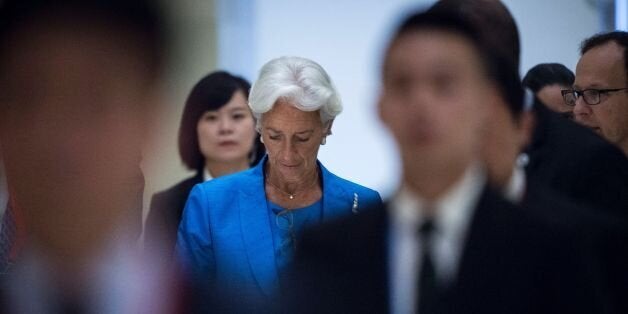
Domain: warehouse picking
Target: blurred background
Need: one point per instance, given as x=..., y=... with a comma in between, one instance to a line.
x=346, y=37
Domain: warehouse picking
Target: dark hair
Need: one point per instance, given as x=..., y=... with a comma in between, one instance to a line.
x=500, y=67
x=619, y=37
x=494, y=22
x=546, y=74
x=211, y=93
x=140, y=21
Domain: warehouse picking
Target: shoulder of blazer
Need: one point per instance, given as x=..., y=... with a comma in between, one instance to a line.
x=332, y=182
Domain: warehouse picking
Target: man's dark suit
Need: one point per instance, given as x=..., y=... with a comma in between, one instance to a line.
x=605, y=240
x=577, y=163
x=163, y=219
x=512, y=262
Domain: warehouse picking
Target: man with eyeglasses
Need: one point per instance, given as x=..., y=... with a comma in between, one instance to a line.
x=600, y=92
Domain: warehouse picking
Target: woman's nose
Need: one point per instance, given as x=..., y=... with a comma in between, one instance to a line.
x=288, y=152
x=225, y=126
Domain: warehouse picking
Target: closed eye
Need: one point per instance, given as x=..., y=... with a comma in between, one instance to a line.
x=210, y=117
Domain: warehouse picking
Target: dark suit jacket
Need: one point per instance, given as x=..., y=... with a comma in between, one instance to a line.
x=512, y=262
x=605, y=240
x=166, y=208
x=577, y=163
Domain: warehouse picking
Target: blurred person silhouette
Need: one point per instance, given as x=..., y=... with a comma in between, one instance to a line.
x=78, y=79
x=6, y=221
x=240, y=231
x=9, y=228
x=560, y=155
x=567, y=158
x=602, y=237
x=547, y=80
x=602, y=81
x=446, y=242
x=553, y=178
x=216, y=137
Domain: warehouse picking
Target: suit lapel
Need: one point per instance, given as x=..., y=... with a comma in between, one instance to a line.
x=336, y=201
x=256, y=231
x=255, y=228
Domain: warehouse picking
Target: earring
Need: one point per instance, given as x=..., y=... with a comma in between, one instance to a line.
x=324, y=140
x=261, y=139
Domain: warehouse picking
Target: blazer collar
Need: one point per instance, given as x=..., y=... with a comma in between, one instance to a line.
x=256, y=231
x=255, y=225
x=337, y=202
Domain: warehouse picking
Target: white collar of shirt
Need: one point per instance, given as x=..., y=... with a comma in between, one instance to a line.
x=452, y=218
x=206, y=175
x=515, y=190
x=120, y=281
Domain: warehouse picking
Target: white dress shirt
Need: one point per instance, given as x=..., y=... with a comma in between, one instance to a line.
x=118, y=280
x=452, y=216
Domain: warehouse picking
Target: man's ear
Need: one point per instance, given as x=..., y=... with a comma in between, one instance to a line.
x=526, y=124
x=381, y=112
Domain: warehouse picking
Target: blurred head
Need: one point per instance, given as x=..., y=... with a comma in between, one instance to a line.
x=438, y=82
x=506, y=137
x=295, y=103
x=509, y=126
x=603, y=66
x=546, y=80
x=217, y=124
x=493, y=20
x=77, y=80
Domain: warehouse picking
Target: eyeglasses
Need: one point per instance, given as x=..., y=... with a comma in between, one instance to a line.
x=590, y=96
x=285, y=223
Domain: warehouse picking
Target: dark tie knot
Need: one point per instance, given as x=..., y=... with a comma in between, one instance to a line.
x=426, y=229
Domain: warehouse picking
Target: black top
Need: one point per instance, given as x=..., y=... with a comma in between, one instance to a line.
x=576, y=162
x=512, y=262
x=166, y=208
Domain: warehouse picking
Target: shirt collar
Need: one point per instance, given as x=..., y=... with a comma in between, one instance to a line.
x=454, y=208
x=206, y=175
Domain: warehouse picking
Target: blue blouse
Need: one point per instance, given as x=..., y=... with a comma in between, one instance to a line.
x=287, y=224
x=225, y=236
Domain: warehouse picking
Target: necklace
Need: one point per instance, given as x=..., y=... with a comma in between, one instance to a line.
x=292, y=195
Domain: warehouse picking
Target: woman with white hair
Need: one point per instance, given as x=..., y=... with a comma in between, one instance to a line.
x=240, y=231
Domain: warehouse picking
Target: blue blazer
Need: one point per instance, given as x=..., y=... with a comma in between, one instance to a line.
x=225, y=235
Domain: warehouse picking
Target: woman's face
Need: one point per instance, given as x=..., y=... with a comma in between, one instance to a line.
x=227, y=134
x=292, y=138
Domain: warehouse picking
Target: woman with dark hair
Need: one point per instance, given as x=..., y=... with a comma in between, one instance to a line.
x=217, y=137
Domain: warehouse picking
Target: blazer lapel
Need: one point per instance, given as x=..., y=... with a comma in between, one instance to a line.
x=336, y=200
x=256, y=231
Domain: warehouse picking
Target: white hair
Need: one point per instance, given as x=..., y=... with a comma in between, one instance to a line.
x=303, y=82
